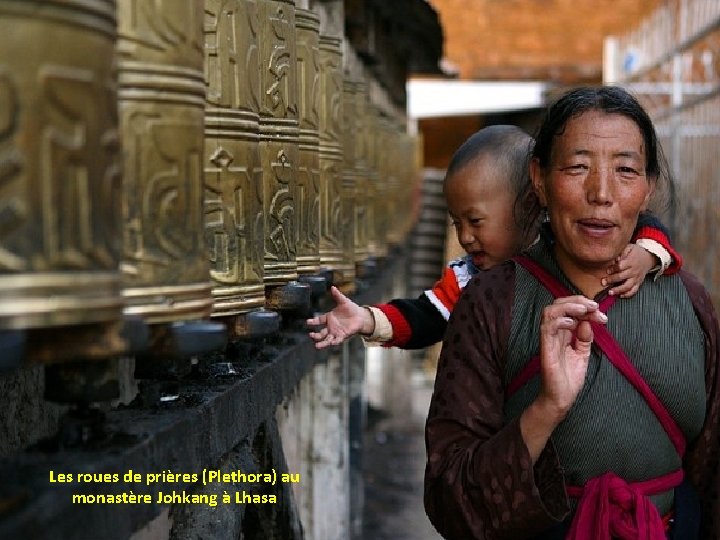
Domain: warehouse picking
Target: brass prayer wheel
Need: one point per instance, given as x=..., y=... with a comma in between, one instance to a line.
x=356, y=161
x=389, y=159
x=162, y=103
x=279, y=134
x=307, y=194
x=367, y=151
x=413, y=173
x=394, y=158
x=349, y=180
x=377, y=136
x=331, y=159
x=59, y=169
x=233, y=203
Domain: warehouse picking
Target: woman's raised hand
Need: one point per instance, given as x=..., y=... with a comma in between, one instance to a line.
x=343, y=322
x=565, y=341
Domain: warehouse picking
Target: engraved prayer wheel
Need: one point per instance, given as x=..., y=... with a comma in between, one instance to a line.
x=349, y=179
x=279, y=137
x=413, y=173
x=367, y=151
x=307, y=194
x=389, y=159
x=403, y=175
x=162, y=104
x=377, y=135
x=406, y=180
x=331, y=159
x=233, y=204
x=59, y=172
x=363, y=192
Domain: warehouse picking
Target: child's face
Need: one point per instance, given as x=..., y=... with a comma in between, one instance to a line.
x=481, y=208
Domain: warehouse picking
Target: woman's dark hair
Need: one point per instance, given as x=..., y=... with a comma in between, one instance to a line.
x=610, y=100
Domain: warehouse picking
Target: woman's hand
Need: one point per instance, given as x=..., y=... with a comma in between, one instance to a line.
x=343, y=322
x=565, y=341
x=629, y=270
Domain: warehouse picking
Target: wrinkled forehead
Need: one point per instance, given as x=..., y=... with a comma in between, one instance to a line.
x=596, y=132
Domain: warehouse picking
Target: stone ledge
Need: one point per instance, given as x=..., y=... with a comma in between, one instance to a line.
x=183, y=440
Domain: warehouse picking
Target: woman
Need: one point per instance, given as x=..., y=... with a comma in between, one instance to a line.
x=559, y=411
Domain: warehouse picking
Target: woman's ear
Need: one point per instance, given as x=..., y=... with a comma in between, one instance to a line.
x=538, y=182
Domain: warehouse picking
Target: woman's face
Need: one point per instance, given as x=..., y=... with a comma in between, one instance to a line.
x=594, y=188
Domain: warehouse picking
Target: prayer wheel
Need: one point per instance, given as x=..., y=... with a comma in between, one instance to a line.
x=378, y=139
x=233, y=203
x=307, y=194
x=279, y=137
x=350, y=179
x=412, y=174
x=331, y=158
x=367, y=150
x=162, y=104
x=360, y=167
x=402, y=175
x=60, y=176
x=388, y=159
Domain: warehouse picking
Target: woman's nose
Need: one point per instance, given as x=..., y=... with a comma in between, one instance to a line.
x=598, y=185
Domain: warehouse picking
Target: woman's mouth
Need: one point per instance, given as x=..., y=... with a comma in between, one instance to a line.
x=596, y=227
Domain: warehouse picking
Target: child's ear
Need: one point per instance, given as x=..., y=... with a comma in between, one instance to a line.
x=537, y=179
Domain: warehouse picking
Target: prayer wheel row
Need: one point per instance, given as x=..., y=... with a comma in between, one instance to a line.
x=175, y=161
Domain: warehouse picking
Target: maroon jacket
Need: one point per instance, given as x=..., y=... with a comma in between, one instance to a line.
x=479, y=480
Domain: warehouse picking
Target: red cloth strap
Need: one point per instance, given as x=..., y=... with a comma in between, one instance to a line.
x=606, y=342
x=611, y=508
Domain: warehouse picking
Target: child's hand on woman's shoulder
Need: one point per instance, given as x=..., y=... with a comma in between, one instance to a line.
x=629, y=271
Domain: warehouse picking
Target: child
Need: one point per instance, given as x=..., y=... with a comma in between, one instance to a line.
x=485, y=183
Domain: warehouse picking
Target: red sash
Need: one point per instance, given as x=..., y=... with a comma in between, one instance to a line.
x=610, y=507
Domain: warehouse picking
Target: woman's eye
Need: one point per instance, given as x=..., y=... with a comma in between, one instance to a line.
x=627, y=170
x=577, y=168
x=475, y=222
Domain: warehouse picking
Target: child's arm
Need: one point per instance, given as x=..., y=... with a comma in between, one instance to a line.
x=408, y=324
x=421, y=322
x=405, y=323
x=652, y=235
x=652, y=252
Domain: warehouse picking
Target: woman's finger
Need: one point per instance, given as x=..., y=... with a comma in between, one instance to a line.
x=569, y=309
x=575, y=299
x=583, y=336
x=579, y=311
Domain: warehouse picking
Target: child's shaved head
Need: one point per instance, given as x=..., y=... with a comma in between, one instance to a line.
x=508, y=149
